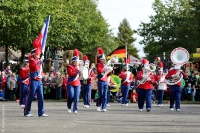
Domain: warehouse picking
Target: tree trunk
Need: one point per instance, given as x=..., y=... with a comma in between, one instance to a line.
x=22, y=56
x=6, y=56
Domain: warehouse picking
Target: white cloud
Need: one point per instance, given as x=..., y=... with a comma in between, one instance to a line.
x=135, y=11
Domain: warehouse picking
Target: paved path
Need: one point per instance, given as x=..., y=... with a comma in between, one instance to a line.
x=118, y=119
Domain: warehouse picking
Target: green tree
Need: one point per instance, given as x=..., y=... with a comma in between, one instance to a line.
x=172, y=26
x=74, y=24
x=125, y=37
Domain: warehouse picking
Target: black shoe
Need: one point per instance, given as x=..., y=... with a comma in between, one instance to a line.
x=148, y=110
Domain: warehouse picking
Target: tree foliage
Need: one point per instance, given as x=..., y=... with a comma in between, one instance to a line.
x=173, y=25
x=125, y=37
x=74, y=24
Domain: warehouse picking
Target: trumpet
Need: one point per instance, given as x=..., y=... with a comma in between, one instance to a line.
x=108, y=68
x=152, y=68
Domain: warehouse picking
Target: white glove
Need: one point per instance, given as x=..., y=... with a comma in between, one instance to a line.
x=145, y=76
x=105, y=69
x=42, y=58
x=148, y=79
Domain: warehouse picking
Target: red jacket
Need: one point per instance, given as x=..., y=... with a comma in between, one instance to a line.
x=148, y=84
x=73, y=73
x=100, y=71
x=123, y=75
x=91, y=76
x=173, y=72
x=34, y=65
x=3, y=80
x=133, y=94
x=64, y=87
x=24, y=75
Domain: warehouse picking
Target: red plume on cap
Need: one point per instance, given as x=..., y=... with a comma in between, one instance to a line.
x=160, y=65
x=101, y=53
x=85, y=58
x=76, y=52
x=158, y=58
x=100, y=50
x=145, y=61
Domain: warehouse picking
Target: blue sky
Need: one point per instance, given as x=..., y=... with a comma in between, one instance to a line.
x=135, y=11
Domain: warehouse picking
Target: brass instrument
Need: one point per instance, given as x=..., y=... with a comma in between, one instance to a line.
x=108, y=68
x=179, y=56
x=152, y=68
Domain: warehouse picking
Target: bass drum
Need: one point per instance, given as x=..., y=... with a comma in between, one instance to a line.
x=85, y=73
x=162, y=86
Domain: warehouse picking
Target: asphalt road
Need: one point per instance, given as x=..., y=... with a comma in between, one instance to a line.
x=118, y=119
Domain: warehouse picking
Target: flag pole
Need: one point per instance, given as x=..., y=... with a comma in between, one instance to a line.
x=126, y=52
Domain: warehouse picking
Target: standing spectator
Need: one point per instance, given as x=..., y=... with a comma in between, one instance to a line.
x=58, y=85
x=193, y=92
x=183, y=96
x=197, y=83
x=198, y=91
x=52, y=86
x=12, y=86
x=64, y=86
x=3, y=80
x=192, y=79
x=189, y=92
x=46, y=88
x=7, y=70
x=1, y=95
x=52, y=71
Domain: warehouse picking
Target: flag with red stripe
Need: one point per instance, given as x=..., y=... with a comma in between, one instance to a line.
x=120, y=52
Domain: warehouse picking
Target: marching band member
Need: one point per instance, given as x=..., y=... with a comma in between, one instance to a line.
x=24, y=82
x=102, y=76
x=86, y=82
x=145, y=87
x=159, y=62
x=36, y=86
x=160, y=79
x=127, y=78
x=73, y=83
x=175, y=90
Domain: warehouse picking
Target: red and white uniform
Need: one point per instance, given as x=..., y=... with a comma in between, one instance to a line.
x=126, y=76
x=91, y=76
x=174, y=72
x=100, y=70
x=158, y=78
x=24, y=75
x=35, y=68
x=73, y=73
x=148, y=84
